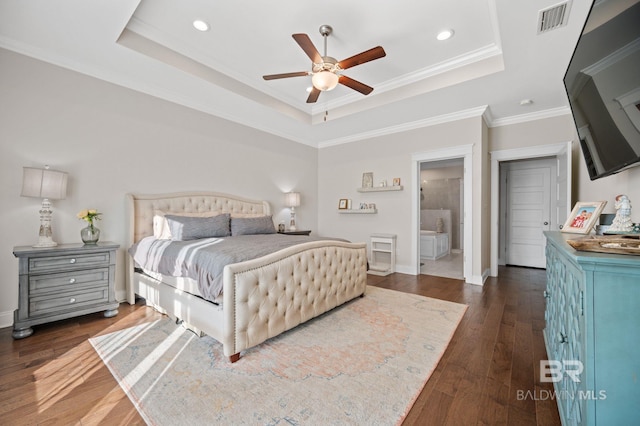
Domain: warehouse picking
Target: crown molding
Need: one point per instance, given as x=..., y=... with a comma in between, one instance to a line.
x=427, y=122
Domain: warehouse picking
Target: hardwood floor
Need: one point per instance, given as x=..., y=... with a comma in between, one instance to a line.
x=55, y=376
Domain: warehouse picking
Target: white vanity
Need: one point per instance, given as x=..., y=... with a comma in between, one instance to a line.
x=434, y=245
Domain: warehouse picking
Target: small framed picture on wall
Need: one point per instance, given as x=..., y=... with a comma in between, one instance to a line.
x=396, y=181
x=367, y=180
x=343, y=204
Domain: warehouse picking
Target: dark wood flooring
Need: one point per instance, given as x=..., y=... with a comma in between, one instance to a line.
x=55, y=377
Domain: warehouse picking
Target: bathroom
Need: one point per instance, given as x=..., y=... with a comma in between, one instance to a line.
x=441, y=218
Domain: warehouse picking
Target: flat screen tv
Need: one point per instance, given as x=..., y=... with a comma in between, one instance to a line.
x=603, y=87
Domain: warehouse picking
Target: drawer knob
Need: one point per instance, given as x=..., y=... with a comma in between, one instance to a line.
x=546, y=294
x=72, y=260
x=72, y=280
x=72, y=300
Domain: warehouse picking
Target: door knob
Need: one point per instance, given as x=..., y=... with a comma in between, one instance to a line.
x=546, y=223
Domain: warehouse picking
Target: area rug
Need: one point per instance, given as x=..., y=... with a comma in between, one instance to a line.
x=362, y=363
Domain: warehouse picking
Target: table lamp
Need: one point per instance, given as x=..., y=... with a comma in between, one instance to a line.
x=292, y=200
x=48, y=185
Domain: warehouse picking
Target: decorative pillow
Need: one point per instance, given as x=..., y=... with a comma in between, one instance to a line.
x=161, y=229
x=185, y=228
x=252, y=225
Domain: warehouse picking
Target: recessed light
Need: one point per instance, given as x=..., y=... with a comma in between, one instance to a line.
x=444, y=35
x=200, y=25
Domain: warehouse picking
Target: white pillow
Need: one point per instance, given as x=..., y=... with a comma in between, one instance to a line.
x=161, y=230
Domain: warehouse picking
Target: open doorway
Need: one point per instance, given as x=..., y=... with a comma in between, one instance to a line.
x=441, y=247
x=464, y=152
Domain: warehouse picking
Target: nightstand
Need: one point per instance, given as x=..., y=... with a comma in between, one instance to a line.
x=65, y=281
x=295, y=232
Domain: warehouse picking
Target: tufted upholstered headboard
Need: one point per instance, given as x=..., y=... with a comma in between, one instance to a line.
x=141, y=208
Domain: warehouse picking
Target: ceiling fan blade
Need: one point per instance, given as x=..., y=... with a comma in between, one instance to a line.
x=355, y=85
x=305, y=42
x=286, y=75
x=313, y=96
x=366, y=56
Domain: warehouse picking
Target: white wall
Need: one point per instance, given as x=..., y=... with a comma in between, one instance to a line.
x=340, y=174
x=559, y=130
x=605, y=189
x=111, y=141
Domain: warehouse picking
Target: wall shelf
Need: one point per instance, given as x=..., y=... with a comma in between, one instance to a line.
x=358, y=211
x=382, y=188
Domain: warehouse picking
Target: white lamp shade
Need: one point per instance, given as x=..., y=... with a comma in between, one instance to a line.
x=324, y=80
x=44, y=183
x=292, y=199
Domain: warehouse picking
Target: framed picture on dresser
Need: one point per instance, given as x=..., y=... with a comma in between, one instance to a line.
x=583, y=217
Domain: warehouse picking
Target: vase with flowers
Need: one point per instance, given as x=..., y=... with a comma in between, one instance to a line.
x=90, y=234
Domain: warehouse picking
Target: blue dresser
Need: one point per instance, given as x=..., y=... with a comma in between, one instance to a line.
x=592, y=333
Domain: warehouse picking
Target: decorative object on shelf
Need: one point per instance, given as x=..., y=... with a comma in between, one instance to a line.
x=622, y=220
x=343, y=204
x=583, y=217
x=91, y=234
x=439, y=225
x=383, y=183
x=367, y=180
x=49, y=185
x=292, y=200
x=396, y=181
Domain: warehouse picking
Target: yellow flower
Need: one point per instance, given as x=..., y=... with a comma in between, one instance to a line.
x=89, y=215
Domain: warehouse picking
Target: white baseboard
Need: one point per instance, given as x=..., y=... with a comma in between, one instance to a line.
x=404, y=269
x=6, y=319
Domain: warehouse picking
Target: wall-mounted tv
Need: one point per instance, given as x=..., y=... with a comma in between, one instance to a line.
x=603, y=86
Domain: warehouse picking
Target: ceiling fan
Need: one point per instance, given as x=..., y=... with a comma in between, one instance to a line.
x=325, y=70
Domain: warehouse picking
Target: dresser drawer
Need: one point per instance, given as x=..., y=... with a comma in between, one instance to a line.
x=51, y=304
x=68, y=281
x=66, y=262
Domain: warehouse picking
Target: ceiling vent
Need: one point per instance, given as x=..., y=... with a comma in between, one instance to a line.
x=553, y=17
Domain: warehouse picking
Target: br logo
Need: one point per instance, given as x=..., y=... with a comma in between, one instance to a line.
x=554, y=370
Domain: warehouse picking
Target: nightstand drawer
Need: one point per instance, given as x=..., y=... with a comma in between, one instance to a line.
x=68, y=281
x=56, y=263
x=45, y=305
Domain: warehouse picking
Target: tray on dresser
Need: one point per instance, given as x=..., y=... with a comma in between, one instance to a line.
x=619, y=244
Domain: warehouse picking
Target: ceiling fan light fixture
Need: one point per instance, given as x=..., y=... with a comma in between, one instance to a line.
x=324, y=81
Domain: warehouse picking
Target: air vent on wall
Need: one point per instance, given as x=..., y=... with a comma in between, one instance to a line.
x=553, y=17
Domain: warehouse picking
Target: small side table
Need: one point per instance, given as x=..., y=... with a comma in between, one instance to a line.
x=383, y=254
x=65, y=281
x=295, y=232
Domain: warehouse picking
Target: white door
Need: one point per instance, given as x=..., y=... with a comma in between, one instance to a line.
x=529, y=210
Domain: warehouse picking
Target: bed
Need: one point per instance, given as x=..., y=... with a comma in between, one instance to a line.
x=262, y=297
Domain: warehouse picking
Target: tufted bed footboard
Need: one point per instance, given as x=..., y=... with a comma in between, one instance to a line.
x=261, y=298
x=267, y=296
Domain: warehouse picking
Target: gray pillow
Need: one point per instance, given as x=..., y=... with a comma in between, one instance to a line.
x=252, y=225
x=185, y=228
